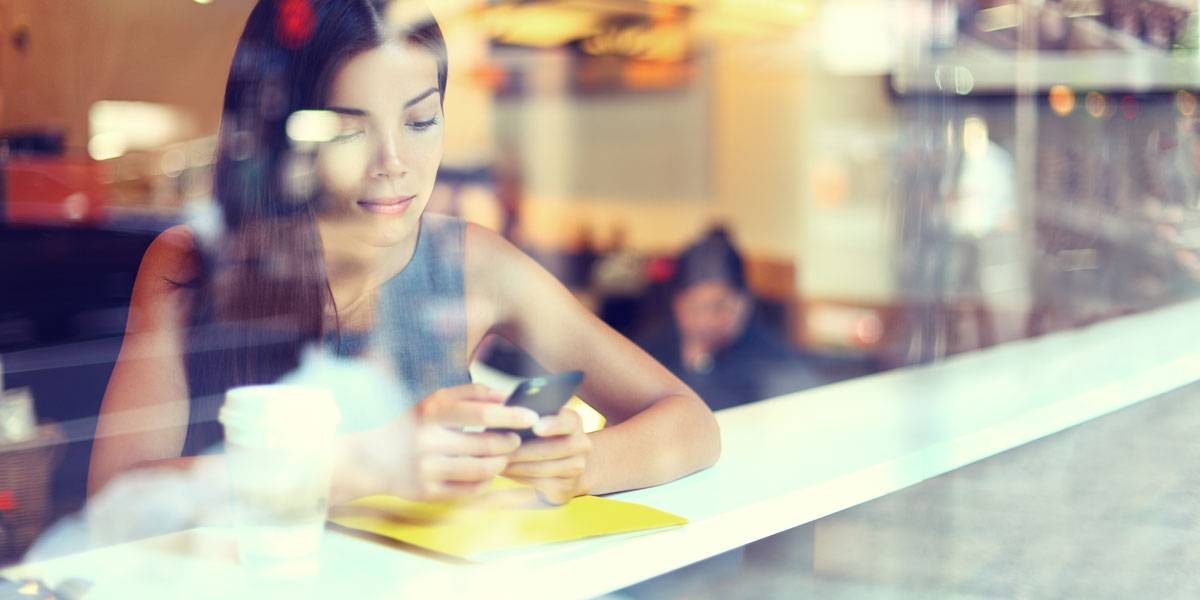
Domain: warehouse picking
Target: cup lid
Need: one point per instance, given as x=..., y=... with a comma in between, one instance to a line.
x=299, y=409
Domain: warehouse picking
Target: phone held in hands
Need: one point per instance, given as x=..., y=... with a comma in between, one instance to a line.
x=543, y=395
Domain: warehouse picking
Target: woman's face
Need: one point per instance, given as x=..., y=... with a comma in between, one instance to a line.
x=378, y=172
x=710, y=314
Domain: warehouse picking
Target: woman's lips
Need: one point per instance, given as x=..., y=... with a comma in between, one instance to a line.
x=386, y=206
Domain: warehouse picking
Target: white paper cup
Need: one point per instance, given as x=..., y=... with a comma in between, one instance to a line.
x=279, y=442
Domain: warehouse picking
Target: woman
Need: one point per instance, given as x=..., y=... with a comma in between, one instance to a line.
x=328, y=151
x=713, y=342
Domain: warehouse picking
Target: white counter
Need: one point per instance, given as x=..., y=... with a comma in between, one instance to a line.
x=786, y=462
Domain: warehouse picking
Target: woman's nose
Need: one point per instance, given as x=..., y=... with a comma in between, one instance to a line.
x=390, y=163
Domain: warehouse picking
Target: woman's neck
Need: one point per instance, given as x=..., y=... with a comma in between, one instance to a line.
x=356, y=270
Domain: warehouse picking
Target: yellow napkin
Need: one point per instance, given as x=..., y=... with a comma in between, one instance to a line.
x=507, y=516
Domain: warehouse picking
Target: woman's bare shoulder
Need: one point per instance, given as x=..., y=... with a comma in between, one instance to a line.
x=491, y=260
x=505, y=273
x=173, y=257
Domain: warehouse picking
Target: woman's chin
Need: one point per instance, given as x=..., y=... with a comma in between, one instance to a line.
x=373, y=229
x=386, y=230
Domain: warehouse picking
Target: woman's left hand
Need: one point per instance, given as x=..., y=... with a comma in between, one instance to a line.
x=556, y=462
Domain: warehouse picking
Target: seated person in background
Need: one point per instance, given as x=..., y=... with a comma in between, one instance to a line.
x=713, y=344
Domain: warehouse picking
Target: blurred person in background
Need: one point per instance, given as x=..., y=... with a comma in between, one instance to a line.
x=713, y=342
x=328, y=153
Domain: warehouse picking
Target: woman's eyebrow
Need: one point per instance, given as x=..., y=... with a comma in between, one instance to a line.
x=358, y=112
x=421, y=96
x=342, y=110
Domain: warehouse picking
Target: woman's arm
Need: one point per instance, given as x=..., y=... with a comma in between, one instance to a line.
x=659, y=429
x=144, y=415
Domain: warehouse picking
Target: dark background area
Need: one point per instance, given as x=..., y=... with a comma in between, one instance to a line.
x=63, y=307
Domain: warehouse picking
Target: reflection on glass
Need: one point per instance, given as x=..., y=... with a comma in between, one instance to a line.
x=765, y=197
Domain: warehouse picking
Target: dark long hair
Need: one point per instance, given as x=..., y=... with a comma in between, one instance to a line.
x=262, y=291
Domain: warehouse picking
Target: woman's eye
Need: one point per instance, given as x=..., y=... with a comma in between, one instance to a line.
x=347, y=136
x=423, y=125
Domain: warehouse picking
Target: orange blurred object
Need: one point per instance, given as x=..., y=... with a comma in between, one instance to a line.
x=53, y=191
x=830, y=184
x=654, y=75
x=1062, y=100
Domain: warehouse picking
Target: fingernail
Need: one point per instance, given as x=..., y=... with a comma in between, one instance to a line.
x=543, y=426
x=495, y=413
x=528, y=417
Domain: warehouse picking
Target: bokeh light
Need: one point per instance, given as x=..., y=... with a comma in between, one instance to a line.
x=1185, y=101
x=975, y=136
x=295, y=23
x=312, y=126
x=1129, y=107
x=1096, y=104
x=173, y=162
x=1062, y=100
x=868, y=331
x=107, y=145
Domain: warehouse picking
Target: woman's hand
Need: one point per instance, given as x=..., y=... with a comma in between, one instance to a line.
x=450, y=463
x=556, y=462
x=429, y=456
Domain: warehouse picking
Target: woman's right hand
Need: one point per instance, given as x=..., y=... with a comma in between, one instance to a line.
x=429, y=456
x=450, y=463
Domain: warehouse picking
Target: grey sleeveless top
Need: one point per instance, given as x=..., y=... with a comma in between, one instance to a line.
x=421, y=330
x=422, y=318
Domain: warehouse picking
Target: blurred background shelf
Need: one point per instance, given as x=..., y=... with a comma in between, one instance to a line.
x=998, y=47
x=976, y=68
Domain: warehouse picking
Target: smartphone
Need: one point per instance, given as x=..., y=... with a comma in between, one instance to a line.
x=543, y=395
